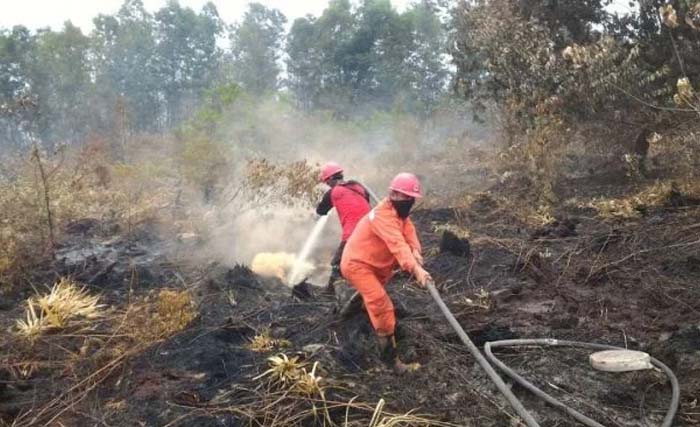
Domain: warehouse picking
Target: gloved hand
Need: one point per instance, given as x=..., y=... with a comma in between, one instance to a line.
x=422, y=276
x=417, y=256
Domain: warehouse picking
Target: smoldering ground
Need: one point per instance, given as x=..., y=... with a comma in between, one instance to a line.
x=372, y=153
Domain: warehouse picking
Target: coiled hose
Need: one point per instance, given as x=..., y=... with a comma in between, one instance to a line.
x=502, y=387
x=675, y=397
x=505, y=390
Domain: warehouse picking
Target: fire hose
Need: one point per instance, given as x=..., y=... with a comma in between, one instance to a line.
x=675, y=398
x=502, y=387
x=508, y=394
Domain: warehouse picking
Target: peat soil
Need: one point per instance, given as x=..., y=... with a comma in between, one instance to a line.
x=631, y=283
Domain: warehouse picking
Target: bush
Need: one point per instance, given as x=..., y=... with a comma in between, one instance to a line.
x=546, y=87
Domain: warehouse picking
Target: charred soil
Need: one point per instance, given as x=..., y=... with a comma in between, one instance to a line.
x=631, y=283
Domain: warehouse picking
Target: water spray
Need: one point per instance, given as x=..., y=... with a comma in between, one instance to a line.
x=309, y=245
x=311, y=241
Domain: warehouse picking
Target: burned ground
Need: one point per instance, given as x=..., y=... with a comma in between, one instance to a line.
x=631, y=283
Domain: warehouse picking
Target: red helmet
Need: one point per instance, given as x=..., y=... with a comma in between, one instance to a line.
x=406, y=183
x=328, y=170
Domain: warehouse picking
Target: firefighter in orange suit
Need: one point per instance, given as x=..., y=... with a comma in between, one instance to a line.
x=383, y=239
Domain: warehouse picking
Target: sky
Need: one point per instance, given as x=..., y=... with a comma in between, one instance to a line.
x=53, y=13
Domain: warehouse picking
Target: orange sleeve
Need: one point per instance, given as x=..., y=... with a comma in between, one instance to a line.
x=389, y=229
x=409, y=233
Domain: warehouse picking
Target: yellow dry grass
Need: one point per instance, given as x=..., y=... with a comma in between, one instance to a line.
x=536, y=215
x=283, y=371
x=66, y=302
x=158, y=316
x=264, y=342
x=654, y=195
x=382, y=419
x=543, y=215
x=5, y=263
x=481, y=300
x=174, y=311
x=290, y=373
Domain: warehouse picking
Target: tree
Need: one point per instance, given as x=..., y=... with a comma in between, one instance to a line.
x=187, y=58
x=674, y=43
x=373, y=58
x=568, y=21
x=369, y=57
x=334, y=30
x=51, y=71
x=15, y=51
x=519, y=59
x=204, y=151
x=304, y=63
x=16, y=47
x=61, y=82
x=125, y=69
x=424, y=70
x=256, y=45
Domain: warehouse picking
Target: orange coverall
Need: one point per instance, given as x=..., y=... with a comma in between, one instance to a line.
x=381, y=241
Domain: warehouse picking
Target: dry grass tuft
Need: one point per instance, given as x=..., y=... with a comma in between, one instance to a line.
x=284, y=371
x=175, y=310
x=288, y=394
x=656, y=195
x=158, y=316
x=382, y=419
x=65, y=302
x=289, y=375
x=542, y=216
x=309, y=383
x=33, y=325
x=482, y=300
x=264, y=342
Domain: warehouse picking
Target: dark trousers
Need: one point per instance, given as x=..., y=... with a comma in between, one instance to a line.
x=335, y=264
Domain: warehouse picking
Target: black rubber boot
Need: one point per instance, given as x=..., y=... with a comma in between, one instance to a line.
x=389, y=355
x=330, y=287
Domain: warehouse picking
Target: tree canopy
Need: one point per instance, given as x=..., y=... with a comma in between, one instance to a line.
x=138, y=71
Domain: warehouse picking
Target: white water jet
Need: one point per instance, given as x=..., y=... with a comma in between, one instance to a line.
x=301, y=261
x=309, y=245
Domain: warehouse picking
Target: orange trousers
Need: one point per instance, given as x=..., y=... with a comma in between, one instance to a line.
x=370, y=283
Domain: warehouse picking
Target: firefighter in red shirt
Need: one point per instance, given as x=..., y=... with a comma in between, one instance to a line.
x=351, y=200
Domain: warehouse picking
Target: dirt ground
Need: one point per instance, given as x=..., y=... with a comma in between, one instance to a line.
x=631, y=283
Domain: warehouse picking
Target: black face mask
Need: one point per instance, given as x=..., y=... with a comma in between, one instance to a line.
x=403, y=207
